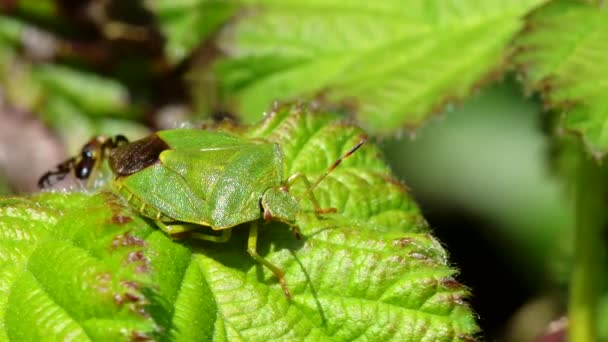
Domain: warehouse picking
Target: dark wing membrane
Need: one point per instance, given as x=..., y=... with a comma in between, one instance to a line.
x=128, y=159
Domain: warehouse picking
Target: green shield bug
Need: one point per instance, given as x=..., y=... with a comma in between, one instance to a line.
x=187, y=179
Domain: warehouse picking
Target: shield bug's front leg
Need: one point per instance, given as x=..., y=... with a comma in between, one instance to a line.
x=252, y=243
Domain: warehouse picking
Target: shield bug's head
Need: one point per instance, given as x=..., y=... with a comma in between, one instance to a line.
x=278, y=204
x=85, y=164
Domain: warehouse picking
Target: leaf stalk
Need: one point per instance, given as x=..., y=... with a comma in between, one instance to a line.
x=588, y=250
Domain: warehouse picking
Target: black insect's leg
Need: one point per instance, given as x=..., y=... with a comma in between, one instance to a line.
x=118, y=140
x=85, y=164
x=108, y=144
x=53, y=176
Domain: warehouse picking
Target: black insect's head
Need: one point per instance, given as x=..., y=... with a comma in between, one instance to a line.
x=90, y=154
x=84, y=164
x=84, y=168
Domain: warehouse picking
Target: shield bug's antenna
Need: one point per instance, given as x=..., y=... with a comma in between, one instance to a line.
x=332, y=167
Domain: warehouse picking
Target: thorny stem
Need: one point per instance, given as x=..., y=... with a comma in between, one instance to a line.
x=588, y=250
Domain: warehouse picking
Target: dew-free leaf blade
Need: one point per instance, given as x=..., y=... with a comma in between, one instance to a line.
x=187, y=23
x=394, y=63
x=567, y=63
x=69, y=276
x=93, y=93
x=372, y=270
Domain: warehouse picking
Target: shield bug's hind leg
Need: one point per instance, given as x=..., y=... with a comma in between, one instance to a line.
x=223, y=237
x=189, y=230
x=310, y=187
x=252, y=242
x=173, y=229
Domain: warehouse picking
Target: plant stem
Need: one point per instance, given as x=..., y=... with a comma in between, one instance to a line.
x=588, y=250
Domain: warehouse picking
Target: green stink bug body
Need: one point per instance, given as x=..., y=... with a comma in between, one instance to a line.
x=187, y=178
x=199, y=177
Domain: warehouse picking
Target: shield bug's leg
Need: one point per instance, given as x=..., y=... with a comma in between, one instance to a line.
x=223, y=237
x=176, y=229
x=295, y=230
x=252, y=242
x=173, y=229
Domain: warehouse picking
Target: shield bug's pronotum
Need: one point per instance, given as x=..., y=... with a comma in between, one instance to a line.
x=187, y=178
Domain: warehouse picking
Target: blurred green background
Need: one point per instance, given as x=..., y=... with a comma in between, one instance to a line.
x=481, y=176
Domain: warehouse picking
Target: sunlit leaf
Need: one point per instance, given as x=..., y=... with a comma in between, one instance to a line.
x=372, y=271
x=567, y=63
x=391, y=62
x=187, y=23
x=67, y=277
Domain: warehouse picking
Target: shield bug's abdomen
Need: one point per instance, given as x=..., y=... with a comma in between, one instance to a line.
x=161, y=194
x=231, y=180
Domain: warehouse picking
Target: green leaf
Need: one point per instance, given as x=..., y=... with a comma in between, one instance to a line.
x=567, y=64
x=187, y=23
x=370, y=271
x=5, y=188
x=394, y=63
x=76, y=104
x=93, y=93
x=603, y=312
x=11, y=30
x=68, y=270
x=74, y=126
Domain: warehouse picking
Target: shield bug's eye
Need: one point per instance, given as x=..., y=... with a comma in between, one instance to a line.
x=84, y=167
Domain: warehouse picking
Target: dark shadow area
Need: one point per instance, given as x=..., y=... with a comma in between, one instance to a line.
x=497, y=290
